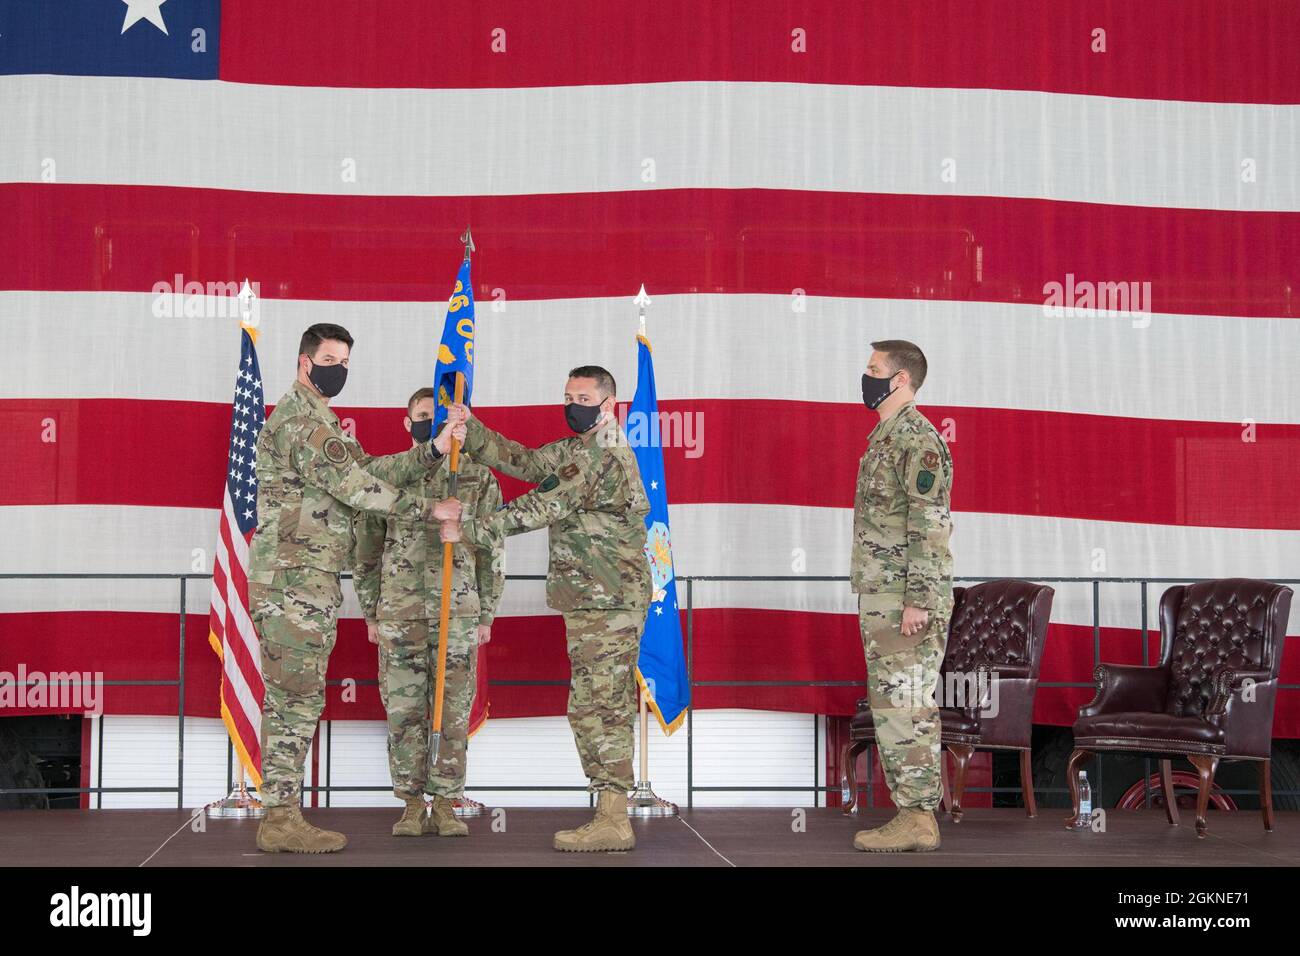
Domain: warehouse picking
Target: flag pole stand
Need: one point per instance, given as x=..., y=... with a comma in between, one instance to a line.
x=643, y=802
x=238, y=805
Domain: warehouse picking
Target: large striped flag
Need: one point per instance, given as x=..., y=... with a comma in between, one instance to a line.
x=794, y=179
x=661, y=665
x=230, y=627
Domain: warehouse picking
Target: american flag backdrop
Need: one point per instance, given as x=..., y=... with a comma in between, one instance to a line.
x=230, y=625
x=789, y=180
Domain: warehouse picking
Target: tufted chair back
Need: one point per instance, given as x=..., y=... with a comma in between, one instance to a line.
x=1211, y=625
x=1000, y=624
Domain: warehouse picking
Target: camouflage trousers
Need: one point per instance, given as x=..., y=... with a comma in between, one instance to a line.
x=295, y=617
x=902, y=678
x=408, y=671
x=603, y=648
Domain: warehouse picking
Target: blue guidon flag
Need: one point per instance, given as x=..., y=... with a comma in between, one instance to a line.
x=456, y=350
x=661, y=668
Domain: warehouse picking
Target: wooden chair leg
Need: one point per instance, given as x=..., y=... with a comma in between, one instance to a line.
x=1266, y=793
x=1205, y=766
x=961, y=758
x=1167, y=788
x=1077, y=759
x=849, y=761
x=1027, y=782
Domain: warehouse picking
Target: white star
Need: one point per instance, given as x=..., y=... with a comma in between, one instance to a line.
x=144, y=10
x=247, y=513
x=654, y=486
x=659, y=608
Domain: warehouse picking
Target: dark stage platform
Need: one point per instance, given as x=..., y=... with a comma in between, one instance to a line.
x=699, y=838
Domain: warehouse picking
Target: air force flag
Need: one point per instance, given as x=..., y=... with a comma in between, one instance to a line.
x=662, y=664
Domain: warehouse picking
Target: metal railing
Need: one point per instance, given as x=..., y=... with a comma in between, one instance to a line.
x=816, y=788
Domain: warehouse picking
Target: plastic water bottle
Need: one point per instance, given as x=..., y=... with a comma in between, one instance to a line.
x=1085, y=801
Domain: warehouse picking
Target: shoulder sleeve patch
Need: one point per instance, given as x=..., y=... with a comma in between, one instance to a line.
x=549, y=483
x=930, y=459
x=335, y=450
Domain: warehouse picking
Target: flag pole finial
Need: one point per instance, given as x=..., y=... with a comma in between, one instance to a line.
x=641, y=301
x=247, y=301
x=468, y=239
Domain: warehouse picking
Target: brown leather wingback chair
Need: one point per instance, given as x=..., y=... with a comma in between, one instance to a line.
x=997, y=631
x=1210, y=698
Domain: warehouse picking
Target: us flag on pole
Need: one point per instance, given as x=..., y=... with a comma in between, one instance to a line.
x=230, y=627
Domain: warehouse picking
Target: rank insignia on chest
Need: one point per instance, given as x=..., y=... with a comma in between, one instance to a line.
x=549, y=483
x=335, y=450
x=924, y=481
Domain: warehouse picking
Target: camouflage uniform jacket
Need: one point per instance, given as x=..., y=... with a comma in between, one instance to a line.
x=590, y=496
x=901, y=517
x=311, y=475
x=398, y=563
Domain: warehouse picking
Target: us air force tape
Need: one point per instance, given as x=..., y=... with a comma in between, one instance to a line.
x=335, y=450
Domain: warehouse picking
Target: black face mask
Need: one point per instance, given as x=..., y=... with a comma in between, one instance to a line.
x=875, y=390
x=422, y=431
x=581, y=417
x=328, y=379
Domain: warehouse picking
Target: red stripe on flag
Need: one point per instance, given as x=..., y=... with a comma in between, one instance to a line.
x=1007, y=461
x=730, y=644
x=999, y=44
x=983, y=248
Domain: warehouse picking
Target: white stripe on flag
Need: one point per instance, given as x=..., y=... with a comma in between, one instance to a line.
x=725, y=135
x=1084, y=364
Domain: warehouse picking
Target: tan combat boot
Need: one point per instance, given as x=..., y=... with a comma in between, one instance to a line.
x=283, y=830
x=610, y=829
x=412, y=822
x=442, y=819
x=913, y=829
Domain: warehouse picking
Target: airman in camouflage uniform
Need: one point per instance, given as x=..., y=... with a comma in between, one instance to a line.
x=589, y=494
x=398, y=576
x=311, y=476
x=901, y=570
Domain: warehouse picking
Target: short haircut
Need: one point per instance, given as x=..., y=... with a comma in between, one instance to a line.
x=321, y=332
x=417, y=395
x=604, y=381
x=903, y=355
